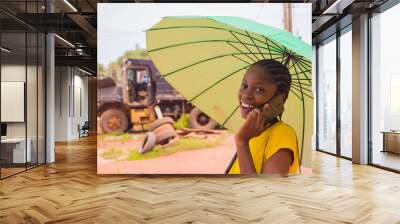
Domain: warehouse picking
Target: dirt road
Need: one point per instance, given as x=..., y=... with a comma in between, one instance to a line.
x=202, y=161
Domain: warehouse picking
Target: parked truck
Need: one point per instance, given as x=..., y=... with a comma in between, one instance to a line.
x=131, y=103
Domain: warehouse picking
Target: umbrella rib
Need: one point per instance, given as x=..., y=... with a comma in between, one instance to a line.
x=302, y=81
x=275, y=46
x=241, y=60
x=289, y=66
x=301, y=88
x=302, y=93
x=244, y=45
x=304, y=62
x=206, y=41
x=283, y=56
x=216, y=28
x=298, y=73
x=255, y=44
x=219, y=81
x=301, y=84
x=304, y=84
x=269, y=49
x=304, y=73
x=304, y=115
x=240, y=51
x=287, y=61
x=208, y=59
x=229, y=42
x=296, y=92
x=229, y=117
x=291, y=90
x=277, y=58
x=301, y=78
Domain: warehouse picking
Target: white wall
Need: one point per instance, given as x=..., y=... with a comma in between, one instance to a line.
x=71, y=102
x=33, y=126
x=13, y=73
x=61, y=103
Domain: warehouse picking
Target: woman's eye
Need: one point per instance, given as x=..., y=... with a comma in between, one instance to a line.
x=259, y=90
x=244, y=85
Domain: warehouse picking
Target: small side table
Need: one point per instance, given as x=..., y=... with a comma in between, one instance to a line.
x=391, y=141
x=14, y=149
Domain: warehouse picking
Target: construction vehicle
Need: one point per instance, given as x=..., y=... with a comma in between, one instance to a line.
x=131, y=104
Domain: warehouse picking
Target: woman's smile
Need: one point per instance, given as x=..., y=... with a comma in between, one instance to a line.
x=246, y=108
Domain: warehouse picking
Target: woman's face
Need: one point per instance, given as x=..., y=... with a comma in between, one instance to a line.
x=256, y=89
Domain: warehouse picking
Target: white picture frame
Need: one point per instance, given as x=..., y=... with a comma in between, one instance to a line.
x=12, y=101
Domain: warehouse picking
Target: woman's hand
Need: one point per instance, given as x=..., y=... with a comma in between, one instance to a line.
x=253, y=126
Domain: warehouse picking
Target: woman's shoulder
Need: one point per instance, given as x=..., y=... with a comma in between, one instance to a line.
x=279, y=129
x=282, y=128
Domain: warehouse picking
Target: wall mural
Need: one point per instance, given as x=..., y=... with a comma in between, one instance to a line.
x=209, y=95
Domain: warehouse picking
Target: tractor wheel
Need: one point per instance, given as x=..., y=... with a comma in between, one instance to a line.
x=114, y=120
x=200, y=120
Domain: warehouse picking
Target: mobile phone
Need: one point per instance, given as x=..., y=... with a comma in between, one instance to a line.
x=275, y=107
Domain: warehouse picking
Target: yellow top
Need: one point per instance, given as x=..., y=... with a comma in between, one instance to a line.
x=279, y=135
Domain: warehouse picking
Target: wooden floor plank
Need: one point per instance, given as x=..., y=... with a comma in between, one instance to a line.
x=70, y=191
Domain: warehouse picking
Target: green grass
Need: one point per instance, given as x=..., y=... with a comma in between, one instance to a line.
x=119, y=137
x=125, y=137
x=100, y=137
x=182, y=122
x=109, y=136
x=183, y=144
x=112, y=153
x=113, y=134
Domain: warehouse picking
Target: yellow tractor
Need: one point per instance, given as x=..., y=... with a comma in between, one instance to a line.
x=133, y=103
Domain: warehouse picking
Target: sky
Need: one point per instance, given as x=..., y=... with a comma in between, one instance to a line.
x=121, y=26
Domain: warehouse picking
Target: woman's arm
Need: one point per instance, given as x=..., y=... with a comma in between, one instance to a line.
x=279, y=163
x=246, y=163
x=253, y=126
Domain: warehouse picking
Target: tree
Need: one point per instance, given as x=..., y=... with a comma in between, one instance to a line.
x=114, y=68
x=133, y=54
x=101, y=70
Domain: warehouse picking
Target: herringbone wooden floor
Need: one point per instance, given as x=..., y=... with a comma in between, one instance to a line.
x=70, y=191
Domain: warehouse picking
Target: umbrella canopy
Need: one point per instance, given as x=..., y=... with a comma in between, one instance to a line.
x=205, y=58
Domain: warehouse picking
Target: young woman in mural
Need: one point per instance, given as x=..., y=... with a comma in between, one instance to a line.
x=265, y=143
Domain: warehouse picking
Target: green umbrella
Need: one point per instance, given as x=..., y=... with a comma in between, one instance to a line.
x=205, y=58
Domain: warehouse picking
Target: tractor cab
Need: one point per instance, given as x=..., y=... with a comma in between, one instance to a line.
x=139, y=84
x=140, y=91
